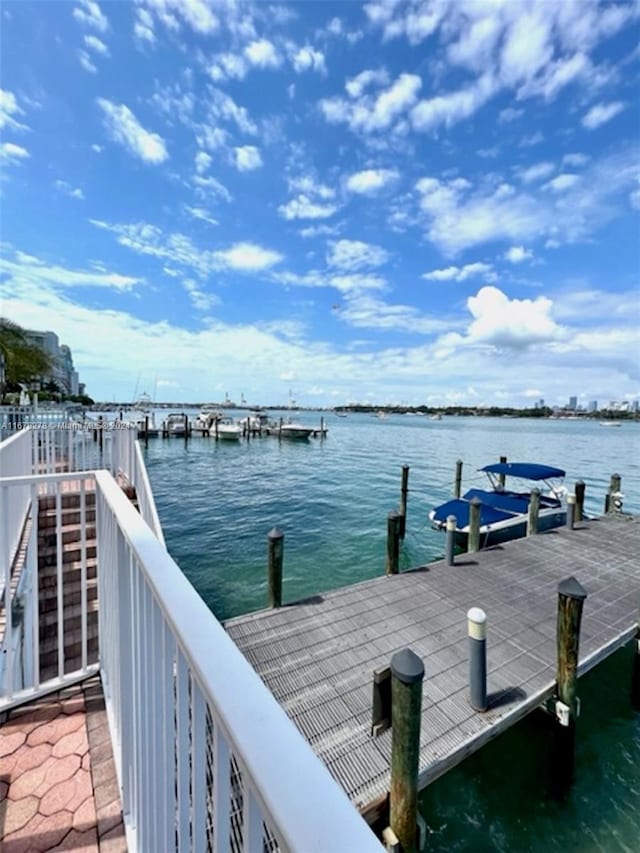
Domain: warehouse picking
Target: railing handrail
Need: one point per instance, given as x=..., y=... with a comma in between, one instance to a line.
x=306, y=807
x=145, y=492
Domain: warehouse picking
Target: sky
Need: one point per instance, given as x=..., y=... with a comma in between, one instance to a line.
x=383, y=202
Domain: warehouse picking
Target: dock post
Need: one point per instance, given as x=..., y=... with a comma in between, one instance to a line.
x=393, y=543
x=579, y=490
x=322, y=426
x=186, y=427
x=407, y=675
x=215, y=427
x=450, y=541
x=146, y=430
x=101, y=432
x=275, y=546
x=473, y=541
x=457, y=487
x=534, y=512
x=404, y=491
x=571, y=596
x=502, y=477
x=477, y=630
x=571, y=511
x=611, y=501
x=280, y=429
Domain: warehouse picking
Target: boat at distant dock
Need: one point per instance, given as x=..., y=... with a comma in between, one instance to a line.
x=504, y=512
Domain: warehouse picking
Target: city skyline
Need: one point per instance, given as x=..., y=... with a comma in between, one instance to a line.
x=433, y=203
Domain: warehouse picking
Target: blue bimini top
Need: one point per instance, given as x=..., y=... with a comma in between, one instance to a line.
x=460, y=508
x=528, y=470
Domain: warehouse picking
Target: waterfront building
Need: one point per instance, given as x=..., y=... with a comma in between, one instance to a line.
x=573, y=403
x=62, y=372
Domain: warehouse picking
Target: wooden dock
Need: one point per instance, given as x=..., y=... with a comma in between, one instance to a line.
x=318, y=656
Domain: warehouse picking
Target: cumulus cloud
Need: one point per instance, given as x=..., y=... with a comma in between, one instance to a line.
x=247, y=158
x=461, y=273
x=370, y=181
x=12, y=153
x=9, y=108
x=510, y=323
x=355, y=255
x=27, y=269
x=302, y=207
x=308, y=58
x=369, y=113
x=602, y=113
x=90, y=14
x=124, y=128
x=262, y=54
x=517, y=254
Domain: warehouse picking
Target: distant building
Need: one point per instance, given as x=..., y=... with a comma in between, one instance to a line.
x=573, y=403
x=62, y=372
x=593, y=406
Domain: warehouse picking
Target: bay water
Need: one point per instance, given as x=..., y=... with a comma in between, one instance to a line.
x=218, y=500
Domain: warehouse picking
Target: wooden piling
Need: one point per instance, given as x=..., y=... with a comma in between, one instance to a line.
x=457, y=487
x=393, y=543
x=610, y=504
x=571, y=597
x=473, y=539
x=571, y=511
x=407, y=675
x=579, y=490
x=280, y=429
x=146, y=430
x=534, y=512
x=502, y=478
x=322, y=426
x=275, y=550
x=186, y=427
x=101, y=432
x=404, y=491
x=450, y=550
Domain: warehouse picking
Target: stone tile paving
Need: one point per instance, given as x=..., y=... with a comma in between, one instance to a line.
x=58, y=788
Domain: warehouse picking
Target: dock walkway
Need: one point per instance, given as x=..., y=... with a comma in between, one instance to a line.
x=318, y=656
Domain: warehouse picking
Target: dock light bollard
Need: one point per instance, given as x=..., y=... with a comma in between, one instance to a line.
x=404, y=491
x=534, y=512
x=393, y=543
x=571, y=597
x=571, y=511
x=450, y=540
x=457, y=487
x=275, y=547
x=579, y=490
x=502, y=479
x=407, y=675
x=477, y=629
x=612, y=502
x=473, y=541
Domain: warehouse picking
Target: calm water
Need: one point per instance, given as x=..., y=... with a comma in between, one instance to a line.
x=217, y=502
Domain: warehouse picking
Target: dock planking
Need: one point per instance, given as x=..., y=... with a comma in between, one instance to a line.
x=318, y=655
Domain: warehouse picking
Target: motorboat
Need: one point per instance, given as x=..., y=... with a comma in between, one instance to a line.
x=504, y=511
x=142, y=416
x=225, y=428
x=255, y=421
x=175, y=424
x=611, y=423
x=206, y=418
x=290, y=429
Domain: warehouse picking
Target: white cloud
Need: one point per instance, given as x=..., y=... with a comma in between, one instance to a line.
x=263, y=54
x=518, y=254
x=602, y=113
x=462, y=273
x=306, y=58
x=210, y=186
x=354, y=255
x=370, y=181
x=356, y=86
x=228, y=65
x=90, y=14
x=247, y=257
x=510, y=323
x=143, y=26
x=451, y=108
x=8, y=109
x=223, y=107
x=200, y=213
x=302, y=207
x=509, y=114
x=67, y=189
x=197, y=14
x=537, y=172
x=247, y=158
x=87, y=62
x=124, y=128
x=309, y=185
x=27, y=269
x=200, y=299
x=562, y=182
x=95, y=44
x=575, y=161
x=12, y=153
x=369, y=113
x=202, y=162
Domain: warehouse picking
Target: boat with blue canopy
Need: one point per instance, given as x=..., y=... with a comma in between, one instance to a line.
x=504, y=511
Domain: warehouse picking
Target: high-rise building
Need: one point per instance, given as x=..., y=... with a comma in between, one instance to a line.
x=593, y=406
x=573, y=403
x=62, y=372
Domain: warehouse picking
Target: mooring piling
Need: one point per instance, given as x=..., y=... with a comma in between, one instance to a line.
x=473, y=539
x=579, y=490
x=571, y=597
x=612, y=501
x=146, y=430
x=450, y=544
x=404, y=491
x=534, y=512
x=502, y=478
x=407, y=675
x=477, y=630
x=457, y=487
x=393, y=543
x=571, y=511
x=275, y=549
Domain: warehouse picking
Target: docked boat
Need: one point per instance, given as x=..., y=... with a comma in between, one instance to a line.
x=289, y=429
x=225, y=428
x=255, y=421
x=611, y=423
x=143, y=417
x=175, y=424
x=504, y=511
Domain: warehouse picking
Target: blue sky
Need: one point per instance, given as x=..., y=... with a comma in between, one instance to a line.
x=420, y=202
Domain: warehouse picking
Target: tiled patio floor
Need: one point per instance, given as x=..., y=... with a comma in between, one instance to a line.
x=58, y=788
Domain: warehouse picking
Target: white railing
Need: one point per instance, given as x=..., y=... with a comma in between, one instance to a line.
x=15, y=460
x=127, y=463
x=206, y=757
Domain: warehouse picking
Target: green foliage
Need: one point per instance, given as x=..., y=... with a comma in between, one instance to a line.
x=23, y=361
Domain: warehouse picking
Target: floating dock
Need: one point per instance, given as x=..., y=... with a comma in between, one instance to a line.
x=318, y=656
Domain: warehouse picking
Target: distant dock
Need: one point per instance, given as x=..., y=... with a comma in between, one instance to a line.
x=318, y=655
